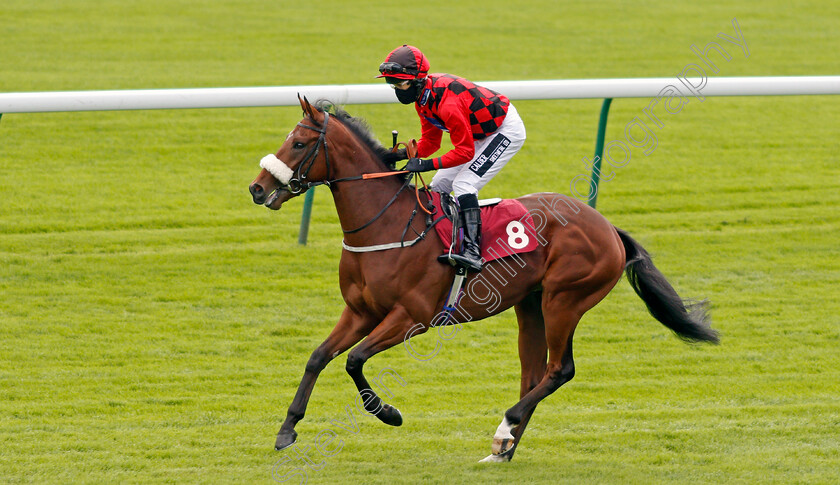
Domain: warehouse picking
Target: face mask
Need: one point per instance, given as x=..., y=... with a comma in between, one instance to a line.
x=410, y=95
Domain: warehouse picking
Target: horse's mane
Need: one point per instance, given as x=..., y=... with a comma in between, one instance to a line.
x=358, y=126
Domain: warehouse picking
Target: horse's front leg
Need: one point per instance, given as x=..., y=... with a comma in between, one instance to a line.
x=392, y=331
x=351, y=328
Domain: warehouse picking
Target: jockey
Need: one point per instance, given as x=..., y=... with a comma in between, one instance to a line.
x=484, y=127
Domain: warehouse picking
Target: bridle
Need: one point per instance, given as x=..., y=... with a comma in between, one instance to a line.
x=298, y=184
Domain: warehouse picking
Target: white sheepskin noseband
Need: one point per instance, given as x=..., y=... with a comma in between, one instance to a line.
x=275, y=167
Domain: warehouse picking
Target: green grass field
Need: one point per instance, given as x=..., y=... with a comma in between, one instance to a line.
x=154, y=323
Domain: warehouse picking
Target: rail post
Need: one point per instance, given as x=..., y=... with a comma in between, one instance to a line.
x=305, y=215
x=599, y=151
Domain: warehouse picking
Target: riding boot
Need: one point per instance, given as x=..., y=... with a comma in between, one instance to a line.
x=470, y=256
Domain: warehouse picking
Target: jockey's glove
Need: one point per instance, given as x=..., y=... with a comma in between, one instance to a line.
x=420, y=165
x=395, y=156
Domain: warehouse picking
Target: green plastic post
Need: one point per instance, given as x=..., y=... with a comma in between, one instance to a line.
x=305, y=216
x=599, y=152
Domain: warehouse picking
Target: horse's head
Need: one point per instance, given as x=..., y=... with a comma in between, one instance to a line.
x=301, y=160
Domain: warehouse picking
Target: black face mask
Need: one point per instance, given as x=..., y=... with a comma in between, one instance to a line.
x=410, y=95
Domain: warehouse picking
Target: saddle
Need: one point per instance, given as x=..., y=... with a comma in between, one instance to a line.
x=507, y=227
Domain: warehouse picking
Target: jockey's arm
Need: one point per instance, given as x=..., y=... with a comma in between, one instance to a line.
x=460, y=134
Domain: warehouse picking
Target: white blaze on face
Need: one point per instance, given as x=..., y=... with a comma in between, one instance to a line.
x=277, y=168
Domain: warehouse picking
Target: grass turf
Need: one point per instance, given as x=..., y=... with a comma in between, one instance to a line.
x=154, y=324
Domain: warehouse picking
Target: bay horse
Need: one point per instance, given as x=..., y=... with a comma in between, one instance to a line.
x=580, y=258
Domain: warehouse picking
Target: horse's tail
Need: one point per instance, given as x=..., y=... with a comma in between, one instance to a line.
x=687, y=318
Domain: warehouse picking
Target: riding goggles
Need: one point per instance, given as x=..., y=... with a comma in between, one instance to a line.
x=402, y=84
x=395, y=69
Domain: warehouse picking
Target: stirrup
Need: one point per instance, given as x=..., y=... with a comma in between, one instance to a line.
x=444, y=259
x=470, y=264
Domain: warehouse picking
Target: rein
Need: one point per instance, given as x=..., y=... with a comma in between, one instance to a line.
x=298, y=183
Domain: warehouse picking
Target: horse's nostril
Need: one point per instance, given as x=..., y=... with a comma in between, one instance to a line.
x=257, y=193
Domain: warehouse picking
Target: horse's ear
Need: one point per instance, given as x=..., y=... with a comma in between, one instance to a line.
x=308, y=110
x=303, y=104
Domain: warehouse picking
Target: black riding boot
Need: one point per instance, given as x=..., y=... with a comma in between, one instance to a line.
x=470, y=256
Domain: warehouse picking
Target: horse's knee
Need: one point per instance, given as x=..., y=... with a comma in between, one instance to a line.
x=355, y=362
x=318, y=360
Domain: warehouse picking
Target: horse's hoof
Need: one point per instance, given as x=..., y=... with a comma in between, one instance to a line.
x=496, y=458
x=285, y=439
x=390, y=415
x=502, y=445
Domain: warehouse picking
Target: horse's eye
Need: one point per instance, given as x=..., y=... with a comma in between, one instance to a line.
x=298, y=145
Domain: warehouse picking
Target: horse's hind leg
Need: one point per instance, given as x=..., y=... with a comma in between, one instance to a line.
x=532, y=358
x=560, y=321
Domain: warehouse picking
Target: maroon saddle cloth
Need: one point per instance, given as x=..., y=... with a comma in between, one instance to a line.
x=506, y=228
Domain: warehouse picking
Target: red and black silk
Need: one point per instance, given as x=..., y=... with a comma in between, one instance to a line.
x=468, y=112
